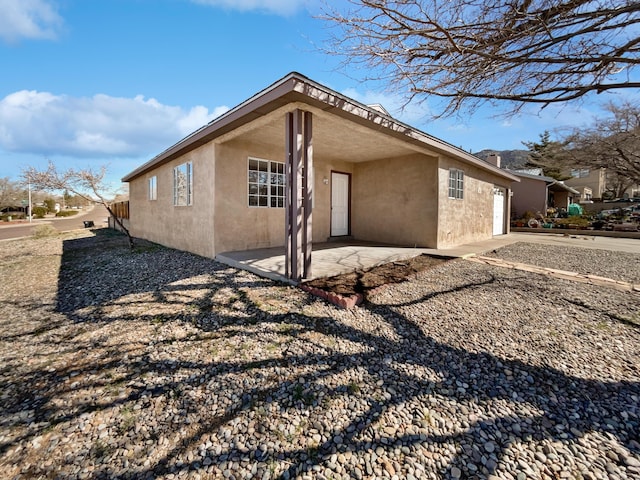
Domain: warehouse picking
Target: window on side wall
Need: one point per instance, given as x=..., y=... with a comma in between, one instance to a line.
x=580, y=172
x=456, y=183
x=266, y=183
x=182, y=185
x=153, y=188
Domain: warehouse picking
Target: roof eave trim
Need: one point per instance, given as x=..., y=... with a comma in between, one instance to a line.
x=294, y=82
x=217, y=123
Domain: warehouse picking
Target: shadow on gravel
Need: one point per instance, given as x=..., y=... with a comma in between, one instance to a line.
x=302, y=376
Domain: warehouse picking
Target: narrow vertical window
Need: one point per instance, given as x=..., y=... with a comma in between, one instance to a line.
x=153, y=188
x=456, y=183
x=182, y=185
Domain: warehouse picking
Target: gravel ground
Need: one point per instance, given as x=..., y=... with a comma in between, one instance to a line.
x=615, y=265
x=161, y=364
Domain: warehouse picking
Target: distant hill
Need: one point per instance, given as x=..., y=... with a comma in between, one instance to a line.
x=509, y=158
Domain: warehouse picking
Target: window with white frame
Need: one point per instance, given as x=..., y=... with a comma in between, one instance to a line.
x=153, y=188
x=182, y=185
x=580, y=172
x=266, y=183
x=456, y=183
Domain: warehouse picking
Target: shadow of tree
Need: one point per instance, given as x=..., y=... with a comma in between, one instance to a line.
x=171, y=363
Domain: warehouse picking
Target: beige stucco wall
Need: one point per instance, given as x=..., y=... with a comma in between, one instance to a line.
x=322, y=195
x=238, y=226
x=399, y=200
x=596, y=181
x=395, y=201
x=469, y=219
x=187, y=227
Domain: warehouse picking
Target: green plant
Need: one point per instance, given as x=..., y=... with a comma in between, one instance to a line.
x=50, y=204
x=39, y=212
x=300, y=394
x=298, y=391
x=101, y=449
x=353, y=387
x=12, y=216
x=66, y=213
x=313, y=451
x=574, y=220
x=128, y=420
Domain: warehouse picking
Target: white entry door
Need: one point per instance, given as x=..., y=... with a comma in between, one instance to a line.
x=339, y=204
x=498, y=212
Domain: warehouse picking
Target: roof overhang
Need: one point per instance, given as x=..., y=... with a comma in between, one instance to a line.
x=561, y=187
x=296, y=88
x=551, y=183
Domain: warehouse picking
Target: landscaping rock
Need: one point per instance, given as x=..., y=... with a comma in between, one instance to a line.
x=155, y=363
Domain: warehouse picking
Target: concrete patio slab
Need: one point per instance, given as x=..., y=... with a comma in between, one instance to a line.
x=335, y=258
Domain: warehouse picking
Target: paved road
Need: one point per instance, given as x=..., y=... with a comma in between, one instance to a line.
x=98, y=215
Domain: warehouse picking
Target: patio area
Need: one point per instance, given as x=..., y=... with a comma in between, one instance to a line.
x=335, y=258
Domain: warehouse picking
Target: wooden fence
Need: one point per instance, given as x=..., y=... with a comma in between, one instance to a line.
x=121, y=210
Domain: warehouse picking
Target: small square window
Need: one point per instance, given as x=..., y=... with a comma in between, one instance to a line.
x=266, y=183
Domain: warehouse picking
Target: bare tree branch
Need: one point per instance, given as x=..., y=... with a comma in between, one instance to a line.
x=468, y=52
x=612, y=143
x=87, y=183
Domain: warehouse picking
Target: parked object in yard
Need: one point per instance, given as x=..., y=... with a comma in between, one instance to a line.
x=575, y=209
x=624, y=227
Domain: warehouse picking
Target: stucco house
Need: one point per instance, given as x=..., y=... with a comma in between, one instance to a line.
x=590, y=183
x=537, y=193
x=299, y=163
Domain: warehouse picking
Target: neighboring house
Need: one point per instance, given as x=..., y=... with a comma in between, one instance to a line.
x=299, y=163
x=590, y=183
x=537, y=193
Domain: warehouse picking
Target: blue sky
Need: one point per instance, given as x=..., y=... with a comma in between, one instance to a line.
x=114, y=82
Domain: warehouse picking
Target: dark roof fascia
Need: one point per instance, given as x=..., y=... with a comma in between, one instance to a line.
x=550, y=181
x=535, y=177
x=558, y=185
x=295, y=87
x=338, y=105
x=218, y=126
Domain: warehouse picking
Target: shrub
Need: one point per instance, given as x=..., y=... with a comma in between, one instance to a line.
x=42, y=231
x=14, y=216
x=39, y=212
x=66, y=213
x=575, y=220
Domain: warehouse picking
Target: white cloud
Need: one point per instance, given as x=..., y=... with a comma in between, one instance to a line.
x=34, y=19
x=278, y=7
x=100, y=126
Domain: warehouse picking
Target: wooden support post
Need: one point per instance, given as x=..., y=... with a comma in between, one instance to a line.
x=298, y=195
x=307, y=196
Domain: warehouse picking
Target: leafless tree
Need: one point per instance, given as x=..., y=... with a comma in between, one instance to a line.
x=613, y=142
x=86, y=183
x=469, y=52
x=9, y=191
